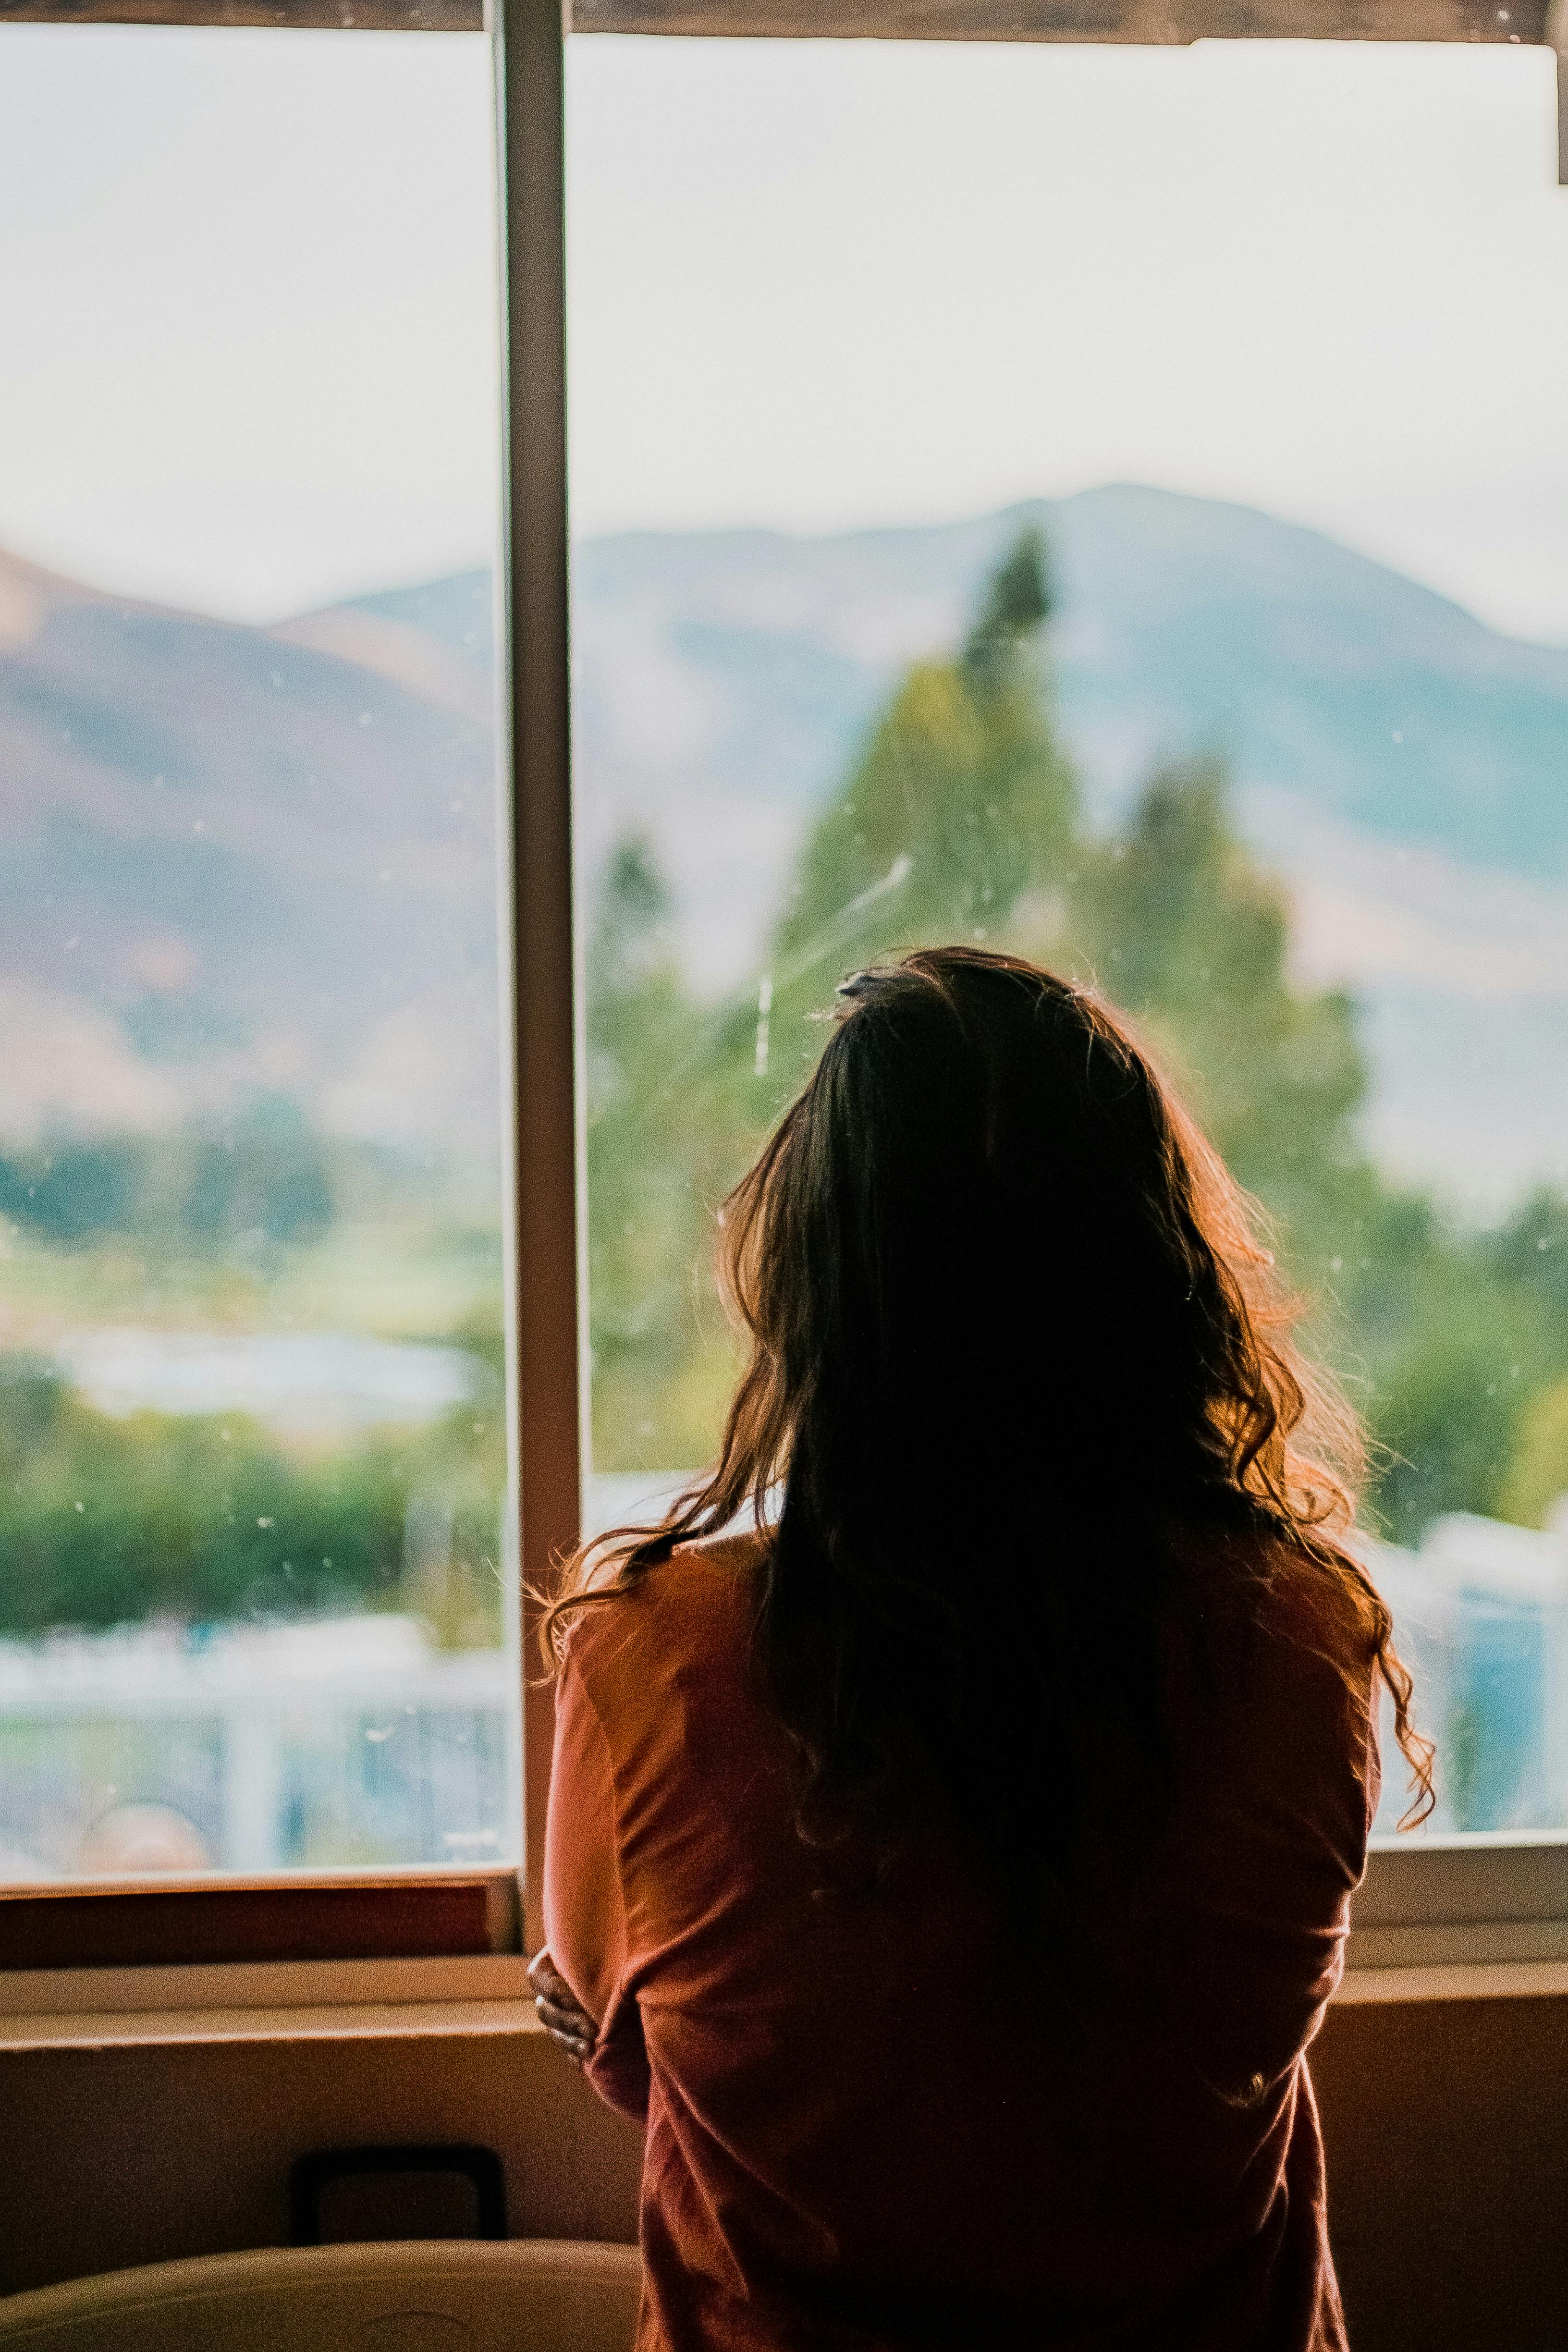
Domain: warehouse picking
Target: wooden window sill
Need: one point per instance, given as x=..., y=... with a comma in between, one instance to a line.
x=264, y=2001
x=100, y=2009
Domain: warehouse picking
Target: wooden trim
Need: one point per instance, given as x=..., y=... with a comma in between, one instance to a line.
x=1481, y=1881
x=299, y=1920
x=1494, y=1981
x=1153, y=22
x=530, y=68
x=1149, y=22
x=271, y=1986
x=298, y=15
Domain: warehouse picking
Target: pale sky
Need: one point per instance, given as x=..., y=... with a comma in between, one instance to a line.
x=246, y=318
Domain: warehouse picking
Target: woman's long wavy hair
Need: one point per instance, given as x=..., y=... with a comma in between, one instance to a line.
x=1012, y=1343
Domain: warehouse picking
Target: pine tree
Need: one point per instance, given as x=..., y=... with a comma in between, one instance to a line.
x=960, y=808
x=1182, y=929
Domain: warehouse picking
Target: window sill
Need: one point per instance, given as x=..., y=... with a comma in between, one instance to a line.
x=1477, y=1980
x=103, y=2008
x=268, y=2001
x=1496, y=1898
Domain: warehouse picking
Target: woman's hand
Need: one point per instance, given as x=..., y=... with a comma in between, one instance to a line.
x=568, y=2024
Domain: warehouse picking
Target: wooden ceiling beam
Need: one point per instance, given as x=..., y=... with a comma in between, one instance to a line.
x=1154, y=22
x=332, y=15
x=1160, y=22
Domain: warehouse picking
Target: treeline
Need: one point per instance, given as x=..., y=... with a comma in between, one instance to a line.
x=962, y=819
x=264, y=1173
x=105, y=1521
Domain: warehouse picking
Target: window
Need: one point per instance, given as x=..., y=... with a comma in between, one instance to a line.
x=838, y=347
x=257, y=1573
x=1260, y=464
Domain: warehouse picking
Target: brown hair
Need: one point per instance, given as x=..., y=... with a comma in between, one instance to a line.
x=1011, y=1333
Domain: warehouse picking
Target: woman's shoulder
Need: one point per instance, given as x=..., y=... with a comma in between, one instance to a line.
x=1289, y=1627
x=1273, y=1691
x=736, y=1553
x=1299, y=1590
x=691, y=1604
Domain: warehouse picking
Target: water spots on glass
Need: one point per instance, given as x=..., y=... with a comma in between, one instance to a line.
x=764, y=1016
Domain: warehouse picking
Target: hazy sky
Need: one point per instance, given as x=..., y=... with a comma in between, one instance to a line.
x=246, y=338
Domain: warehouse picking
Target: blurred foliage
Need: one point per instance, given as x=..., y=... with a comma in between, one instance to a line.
x=1538, y=1470
x=961, y=820
x=106, y=1520
x=656, y=1102
x=264, y=1178
x=960, y=804
x=1176, y=924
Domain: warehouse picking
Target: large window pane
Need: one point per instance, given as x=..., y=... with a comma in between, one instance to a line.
x=254, y=1564
x=1222, y=389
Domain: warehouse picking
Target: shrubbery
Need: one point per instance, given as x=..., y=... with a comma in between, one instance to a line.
x=105, y=1521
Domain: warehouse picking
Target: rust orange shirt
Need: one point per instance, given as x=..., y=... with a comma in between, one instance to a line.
x=872, y=2124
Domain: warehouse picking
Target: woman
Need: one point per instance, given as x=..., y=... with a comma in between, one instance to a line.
x=953, y=1866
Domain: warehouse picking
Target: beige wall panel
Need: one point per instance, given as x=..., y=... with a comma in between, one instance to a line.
x=147, y=2154
x=1447, y=2124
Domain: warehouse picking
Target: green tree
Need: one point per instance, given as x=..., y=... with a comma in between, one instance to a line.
x=960, y=811
x=1182, y=929
x=104, y=1520
x=1442, y=1334
x=960, y=821
x=651, y=1119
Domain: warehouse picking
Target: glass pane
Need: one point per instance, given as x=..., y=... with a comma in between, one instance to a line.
x=1109, y=503
x=254, y=1570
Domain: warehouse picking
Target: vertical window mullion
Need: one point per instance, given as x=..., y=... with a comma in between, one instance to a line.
x=545, y=1287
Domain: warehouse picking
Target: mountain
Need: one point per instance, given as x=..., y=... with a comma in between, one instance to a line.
x=235, y=859
x=232, y=858
x=1402, y=767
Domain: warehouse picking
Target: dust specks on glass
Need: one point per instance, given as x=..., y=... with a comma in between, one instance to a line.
x=1018, y=595
x=257, y=1594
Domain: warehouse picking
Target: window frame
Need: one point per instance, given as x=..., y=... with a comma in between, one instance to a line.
x=1443, y=1902
x=544, y=1254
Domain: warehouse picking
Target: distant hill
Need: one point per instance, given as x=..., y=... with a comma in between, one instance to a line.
x=1405, y=768
x=232, y=855
x=234, y=858
x=1181, y=621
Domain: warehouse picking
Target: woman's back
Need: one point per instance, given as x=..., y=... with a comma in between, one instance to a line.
x=877, y=2118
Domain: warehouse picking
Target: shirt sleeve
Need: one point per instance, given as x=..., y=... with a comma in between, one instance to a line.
x=585, y=1910
x=1270, y=1853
